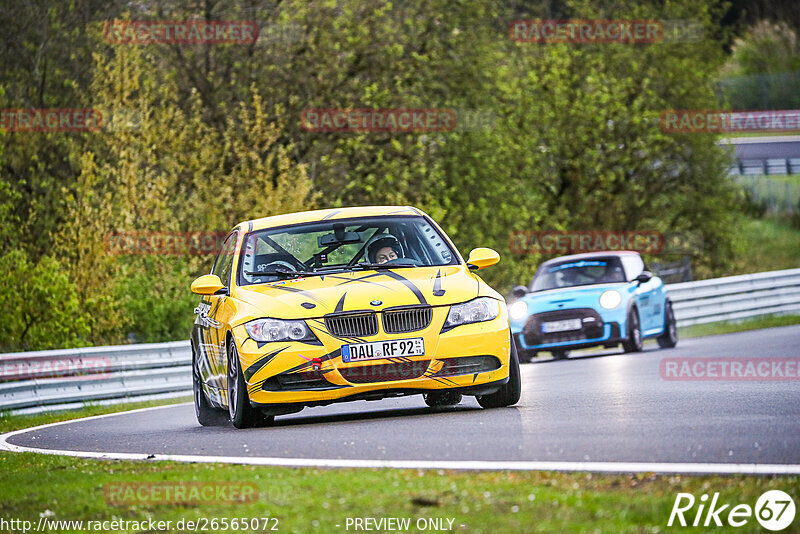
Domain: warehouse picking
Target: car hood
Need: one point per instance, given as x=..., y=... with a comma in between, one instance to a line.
x=315, y=296
x=570, y=297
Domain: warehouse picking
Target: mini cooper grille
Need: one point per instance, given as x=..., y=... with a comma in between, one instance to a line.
x=364, y=374
x=409, y=320
x=352, y=325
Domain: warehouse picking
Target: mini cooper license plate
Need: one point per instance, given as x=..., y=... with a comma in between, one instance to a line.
x=356, y=352
x=561, y=326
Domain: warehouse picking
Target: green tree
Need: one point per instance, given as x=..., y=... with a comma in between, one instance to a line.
x=40, y=305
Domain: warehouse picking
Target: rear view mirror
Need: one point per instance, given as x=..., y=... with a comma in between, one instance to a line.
x=208, y=284
x=519, y=291
x=331, y=239
x=644, y=277
x=338, y=237
x=481, y=257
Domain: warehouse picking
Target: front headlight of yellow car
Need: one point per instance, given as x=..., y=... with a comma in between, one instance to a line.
x=278, y=330
x=474, y=311
x=610, y=299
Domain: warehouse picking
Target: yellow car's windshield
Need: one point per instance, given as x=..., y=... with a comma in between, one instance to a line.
x=329, y=246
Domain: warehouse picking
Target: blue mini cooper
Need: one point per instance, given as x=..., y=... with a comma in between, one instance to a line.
x=587, y=300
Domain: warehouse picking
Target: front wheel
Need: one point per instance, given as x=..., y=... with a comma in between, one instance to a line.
x=634, y=342
x=524, y=355
x=669, y=338
x=510, y=392
x=241, y=413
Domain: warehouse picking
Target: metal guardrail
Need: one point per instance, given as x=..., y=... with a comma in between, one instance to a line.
x=32, y=382
x=736, y=297
x=754, y=166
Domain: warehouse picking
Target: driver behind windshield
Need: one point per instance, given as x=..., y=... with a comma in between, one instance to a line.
x=383, y=248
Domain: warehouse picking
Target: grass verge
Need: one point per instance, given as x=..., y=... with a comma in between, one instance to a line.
x=320, y=500
x=725, y=327
x=768, y=244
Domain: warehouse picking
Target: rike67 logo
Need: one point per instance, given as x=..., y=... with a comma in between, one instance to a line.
x=774, y=511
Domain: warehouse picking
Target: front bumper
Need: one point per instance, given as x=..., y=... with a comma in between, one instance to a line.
x=594, y=331
x=473, y=358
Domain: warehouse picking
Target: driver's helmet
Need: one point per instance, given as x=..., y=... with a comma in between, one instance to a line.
x=380, y=241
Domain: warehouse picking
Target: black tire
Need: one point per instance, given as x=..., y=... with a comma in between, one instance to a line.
x=242, y=415
x=560, y=354
x=634, y=341
x=436, y=399
x=509, y=393
x=669, y=338
x=206, y=414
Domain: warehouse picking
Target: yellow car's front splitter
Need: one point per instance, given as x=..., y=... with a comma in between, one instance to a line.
x=473, y=358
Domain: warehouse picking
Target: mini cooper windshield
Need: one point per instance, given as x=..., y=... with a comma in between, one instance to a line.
x=326, y=247
x=602, y=270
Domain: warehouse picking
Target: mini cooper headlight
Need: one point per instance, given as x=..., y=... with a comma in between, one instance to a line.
x=278, y=330
x=518, y=310
x=474, y=311
x=610, y=299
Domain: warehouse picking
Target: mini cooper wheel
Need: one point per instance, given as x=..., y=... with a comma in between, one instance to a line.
x=669, y=338
x=442, y=398
x=525, y=356
x=634, y=341
x=509, y=393
x=207, y=415
x=241, y=413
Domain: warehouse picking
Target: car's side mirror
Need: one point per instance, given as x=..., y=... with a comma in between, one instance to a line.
x=519, y=291
x=482, y=257
x=644, y=277
x=208, y=284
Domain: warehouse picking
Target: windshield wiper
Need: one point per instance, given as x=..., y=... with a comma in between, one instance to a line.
x=283, y=274
x=377, y=266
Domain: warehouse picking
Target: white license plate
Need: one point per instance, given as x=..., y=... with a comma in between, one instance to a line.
x=356, y=352
x=561, y=326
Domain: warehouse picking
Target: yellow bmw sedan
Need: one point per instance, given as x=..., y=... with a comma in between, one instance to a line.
x=312, y=308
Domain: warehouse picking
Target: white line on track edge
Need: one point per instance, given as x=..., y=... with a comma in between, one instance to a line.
x=472, y=465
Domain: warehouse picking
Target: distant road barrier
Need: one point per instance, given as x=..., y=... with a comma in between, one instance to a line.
x=736, y=297
x=32, y=382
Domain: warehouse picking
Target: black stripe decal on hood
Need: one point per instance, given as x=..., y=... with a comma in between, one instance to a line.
x=264, y=360
x=414, y=289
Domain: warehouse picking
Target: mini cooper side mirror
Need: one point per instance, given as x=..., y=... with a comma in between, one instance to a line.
x=208, y=284
x=482, y=257
x=519, y=291
x=644, y=277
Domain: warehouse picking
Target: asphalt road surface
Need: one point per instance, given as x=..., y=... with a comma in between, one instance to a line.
x=608, y=407
x=783, y=147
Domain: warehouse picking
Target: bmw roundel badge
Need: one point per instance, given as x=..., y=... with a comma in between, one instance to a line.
x=376, y=302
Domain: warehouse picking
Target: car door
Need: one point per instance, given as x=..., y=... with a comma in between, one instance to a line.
x=210, y=318
x=645, y=295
